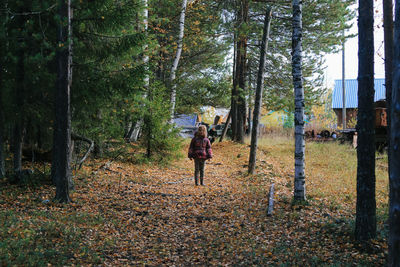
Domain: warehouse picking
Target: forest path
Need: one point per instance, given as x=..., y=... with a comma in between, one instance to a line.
x=159, y=217
x=126, y=214
x=156, y=216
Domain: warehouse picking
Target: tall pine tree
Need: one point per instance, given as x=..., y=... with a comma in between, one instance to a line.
x=366, y=204
x=394, y=160
x=62, y=125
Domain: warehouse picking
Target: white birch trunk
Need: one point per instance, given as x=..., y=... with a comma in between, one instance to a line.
x=177, y=57
x=146, y=79
x=299, y=176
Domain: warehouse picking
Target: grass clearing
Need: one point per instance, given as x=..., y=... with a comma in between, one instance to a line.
x=331, y=169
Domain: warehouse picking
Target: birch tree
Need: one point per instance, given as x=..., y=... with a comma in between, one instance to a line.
x=259, y=91
x=134, y=133
x=62, y=124
x=394, y=160
x=366, y=205
x=177, y=57
x=233, y=111
x=299, y=153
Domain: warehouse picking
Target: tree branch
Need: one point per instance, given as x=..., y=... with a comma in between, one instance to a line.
x=76, y=137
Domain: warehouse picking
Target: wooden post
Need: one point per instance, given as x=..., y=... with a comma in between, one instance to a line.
x=271, y=200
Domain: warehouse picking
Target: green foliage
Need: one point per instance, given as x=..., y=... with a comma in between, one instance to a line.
x=289, y=122
x=202, y=75
x=107, y=81
x=107, y=77
x=323, y=24
x=210, y=88
x=159, y=138
x=26, y=60
x=44, y=239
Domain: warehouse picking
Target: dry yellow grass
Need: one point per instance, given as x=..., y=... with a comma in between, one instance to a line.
x=331, y=170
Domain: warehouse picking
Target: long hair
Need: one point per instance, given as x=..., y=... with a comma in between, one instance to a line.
x=202, y=132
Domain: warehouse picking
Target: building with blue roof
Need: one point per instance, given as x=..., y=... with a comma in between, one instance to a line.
x=187, y=123
x=351, y=87
x=185, y=120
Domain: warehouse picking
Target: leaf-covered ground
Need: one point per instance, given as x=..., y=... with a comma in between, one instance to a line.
x=141, y=215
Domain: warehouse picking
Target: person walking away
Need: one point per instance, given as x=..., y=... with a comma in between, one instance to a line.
x=200, y=150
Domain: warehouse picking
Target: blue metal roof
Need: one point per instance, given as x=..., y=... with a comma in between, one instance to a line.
x=185, y=120
x=351, y=86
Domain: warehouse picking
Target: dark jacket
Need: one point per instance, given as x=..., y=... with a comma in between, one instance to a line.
x=200, y=148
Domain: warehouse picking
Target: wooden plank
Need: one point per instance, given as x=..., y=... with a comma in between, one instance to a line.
x=271, y=200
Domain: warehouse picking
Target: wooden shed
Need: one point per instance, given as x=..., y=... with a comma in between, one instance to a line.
x=351, y=91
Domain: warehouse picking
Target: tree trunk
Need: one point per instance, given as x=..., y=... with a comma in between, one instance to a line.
x=394, y=160
x=2, y=123
x=226, y=126
x=127, y=127
x=388, y=42
x=249, y=104
x=98, y=151
x=259, y=91
x=366, y=205
x=75, y=137
x=147, y=125
x=241, y=58
x=388, y=36
x=249, y=119
x=299, y=176
x=17, y=146
x=249, y=99
x=19, y=101
x=136, y=130
x=146, y=79
x=62, y=125
x=233, y=111
x=71, y=184
x=176, y=59
x=134, y=134
x=2, y=154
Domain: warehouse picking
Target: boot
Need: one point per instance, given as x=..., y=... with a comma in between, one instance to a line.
x=201, y=181
x=196, y=181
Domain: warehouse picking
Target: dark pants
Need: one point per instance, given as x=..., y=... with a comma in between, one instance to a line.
x=199, y=165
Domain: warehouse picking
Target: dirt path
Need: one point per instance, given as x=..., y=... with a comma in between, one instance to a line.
x=160, y=217
x=157, y=216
